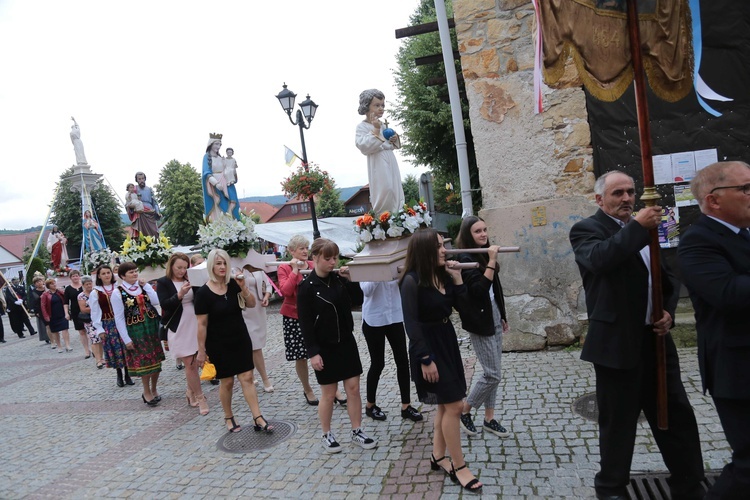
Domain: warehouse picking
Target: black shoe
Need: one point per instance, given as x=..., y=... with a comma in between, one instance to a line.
x=374, y=412
x=467, y=424
x=47, y=342
x=2, y=341
x=496, y=429
x=214, y=381
x=341, y=402
x=612, y=497
x=412, y=414
x=32, y=334
x=129, y=380
x=151, y=403
x=120, y=382
x=311, y=402
x=157, y=398
x=22, y=336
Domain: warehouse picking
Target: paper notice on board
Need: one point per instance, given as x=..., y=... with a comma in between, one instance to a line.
x=683, y=196
x=683, y=166
x=662, y=169
x=705, y=157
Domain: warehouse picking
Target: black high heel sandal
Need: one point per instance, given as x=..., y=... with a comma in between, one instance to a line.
x=265, y=428
x=435, y=465
x=467, y=486
x=341, y=402
x=235, y=426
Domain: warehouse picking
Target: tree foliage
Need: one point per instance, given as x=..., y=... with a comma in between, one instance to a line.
x=424, y=111
x=67, y=214
x=329, y=202
x=42, y=253
x=180, y=196
x=411, y=189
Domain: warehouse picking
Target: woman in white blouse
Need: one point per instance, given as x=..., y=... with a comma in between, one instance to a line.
x=138, y=325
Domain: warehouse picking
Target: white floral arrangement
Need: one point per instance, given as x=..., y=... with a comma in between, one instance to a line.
x=237, y=237
x=146, y=251
x=92, y=260
x=407, y=220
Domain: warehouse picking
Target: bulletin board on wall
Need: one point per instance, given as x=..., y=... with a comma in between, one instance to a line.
x=684, y=131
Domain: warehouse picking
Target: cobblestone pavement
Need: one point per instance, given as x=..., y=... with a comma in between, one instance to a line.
x=69, y=432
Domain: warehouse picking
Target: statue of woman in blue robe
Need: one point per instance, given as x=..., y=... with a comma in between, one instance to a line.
x=93, y=240
x=214, y=199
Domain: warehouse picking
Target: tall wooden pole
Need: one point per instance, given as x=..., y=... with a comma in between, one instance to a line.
x=650, y=198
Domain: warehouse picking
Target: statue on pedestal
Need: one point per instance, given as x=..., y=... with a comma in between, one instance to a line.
x=93, y=240
x=75, y=138
x=219, y=175
x=386, y=191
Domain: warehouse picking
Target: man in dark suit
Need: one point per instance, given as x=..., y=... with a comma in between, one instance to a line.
x=611, y=250
x=714, y=256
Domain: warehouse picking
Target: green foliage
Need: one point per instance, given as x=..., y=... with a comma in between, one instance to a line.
x=67, y=214
x=37, y=264
x=453, y=227
x=411, y=189
x=424, y=111
x=329, y=203
x=42, y=253
x=180, y=196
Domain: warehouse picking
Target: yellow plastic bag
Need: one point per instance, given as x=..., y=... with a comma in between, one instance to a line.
x=208, y=372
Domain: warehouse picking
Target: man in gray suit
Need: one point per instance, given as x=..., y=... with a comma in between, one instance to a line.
x=612, y=253
x=714, y=256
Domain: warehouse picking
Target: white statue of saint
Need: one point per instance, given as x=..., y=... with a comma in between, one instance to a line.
x=386, y=190
x=75, y=138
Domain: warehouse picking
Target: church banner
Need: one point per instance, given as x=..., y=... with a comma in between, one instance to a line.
x=595, y=34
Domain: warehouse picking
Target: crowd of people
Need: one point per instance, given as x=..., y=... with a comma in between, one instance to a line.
x=224, y=322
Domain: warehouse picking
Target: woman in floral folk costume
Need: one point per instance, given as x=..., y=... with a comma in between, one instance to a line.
x=138, y=324
x=103, y=321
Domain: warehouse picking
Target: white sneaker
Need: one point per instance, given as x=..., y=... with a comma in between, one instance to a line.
x=360, y=438
x=330, y=445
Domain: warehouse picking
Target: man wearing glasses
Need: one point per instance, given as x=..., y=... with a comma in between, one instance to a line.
x=612, y=253
x=714, y=257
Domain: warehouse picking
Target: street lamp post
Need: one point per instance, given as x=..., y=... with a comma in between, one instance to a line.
x=306, y=112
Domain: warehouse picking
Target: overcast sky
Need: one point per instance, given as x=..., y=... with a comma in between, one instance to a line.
x=148, y=81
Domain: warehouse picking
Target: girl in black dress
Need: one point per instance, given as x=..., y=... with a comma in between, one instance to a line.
x=324, y=306
x=223, y=336
x=430, y=288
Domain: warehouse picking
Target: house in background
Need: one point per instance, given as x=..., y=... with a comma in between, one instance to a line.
x=264, y=210
x=293, y=209
x=358, y=203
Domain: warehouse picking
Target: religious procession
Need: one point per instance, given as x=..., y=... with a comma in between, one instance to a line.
x=609, y=173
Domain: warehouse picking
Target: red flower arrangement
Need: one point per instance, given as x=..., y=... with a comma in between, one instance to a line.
x=305, y=182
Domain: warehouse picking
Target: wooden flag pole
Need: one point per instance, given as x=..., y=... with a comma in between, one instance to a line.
x=650, y=198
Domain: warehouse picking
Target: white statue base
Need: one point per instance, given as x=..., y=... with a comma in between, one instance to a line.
x=198, y=275
x=379, y=260
x=152, y=273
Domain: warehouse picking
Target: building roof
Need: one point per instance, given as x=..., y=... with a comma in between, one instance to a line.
x=15, y=243
x=9, y=259
x=263, y=209
x=365, y=188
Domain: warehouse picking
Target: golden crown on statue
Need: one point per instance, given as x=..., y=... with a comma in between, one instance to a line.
x=214, y=135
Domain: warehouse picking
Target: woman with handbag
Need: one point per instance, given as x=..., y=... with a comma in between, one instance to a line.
x=178, y=317
x=84, y=315
x=256, y=321
x=222, y=335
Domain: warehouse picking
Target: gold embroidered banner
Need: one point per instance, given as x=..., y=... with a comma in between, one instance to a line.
x=595, y=34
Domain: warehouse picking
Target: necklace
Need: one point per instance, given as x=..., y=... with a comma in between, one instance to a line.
x=328, y=282
x=108, y=292
x=131, y=288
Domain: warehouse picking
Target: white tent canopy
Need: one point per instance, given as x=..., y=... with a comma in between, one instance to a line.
x=338, y=229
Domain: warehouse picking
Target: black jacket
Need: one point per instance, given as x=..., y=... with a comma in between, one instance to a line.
x=325, y=312
x=715, y=264
x=615, y=279
x=480, y=320
x=170, y=303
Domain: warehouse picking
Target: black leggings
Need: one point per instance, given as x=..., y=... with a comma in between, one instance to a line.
x=375, y=337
